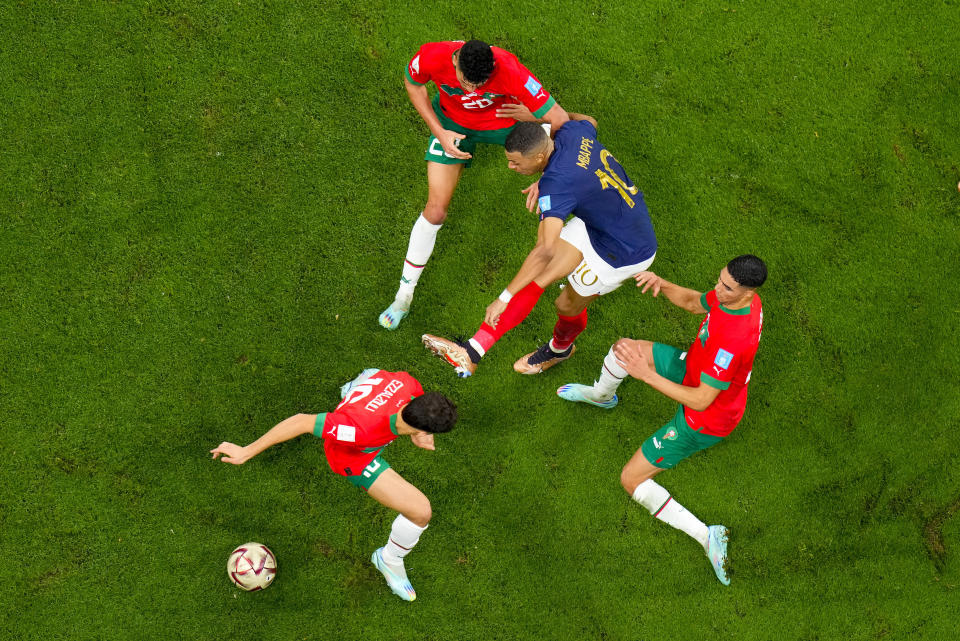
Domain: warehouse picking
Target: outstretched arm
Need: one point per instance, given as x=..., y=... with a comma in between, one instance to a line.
x=282, y=431
x=520, y=112
x=682, y=297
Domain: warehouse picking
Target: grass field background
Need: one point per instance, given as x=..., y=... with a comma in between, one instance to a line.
x=204, y=207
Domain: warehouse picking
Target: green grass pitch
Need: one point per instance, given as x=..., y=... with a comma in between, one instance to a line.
x=204, y=207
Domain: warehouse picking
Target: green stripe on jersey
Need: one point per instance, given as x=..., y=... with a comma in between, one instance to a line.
x=545, y=108
x=406, y=70
x=736, y=312
x=318, y=425
x=712, y=382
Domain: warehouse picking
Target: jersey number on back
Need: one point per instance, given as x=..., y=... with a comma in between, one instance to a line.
x=609, y=178
x=360, y=391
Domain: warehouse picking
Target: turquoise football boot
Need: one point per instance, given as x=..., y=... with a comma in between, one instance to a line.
x=391, y=316
x=580, y=394
x=397, y=580
x=717, y=552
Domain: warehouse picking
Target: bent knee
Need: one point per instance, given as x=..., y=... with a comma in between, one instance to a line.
x=421, y=514
x=628, y=481
x=435, y=213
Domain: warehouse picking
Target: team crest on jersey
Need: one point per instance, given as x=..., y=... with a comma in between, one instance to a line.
x=415, y=65
x=723, y=359
x=533, y=86
x=544, y=203
x=452, y=91
x=671, y=435
x=704, y=331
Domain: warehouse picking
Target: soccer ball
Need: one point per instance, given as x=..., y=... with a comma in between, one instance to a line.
x=252, y=566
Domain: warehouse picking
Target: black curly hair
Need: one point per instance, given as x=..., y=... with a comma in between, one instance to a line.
x=432, y=412
x=476, y=61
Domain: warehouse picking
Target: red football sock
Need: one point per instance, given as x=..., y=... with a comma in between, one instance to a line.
x=566, y=330
x=517, y=309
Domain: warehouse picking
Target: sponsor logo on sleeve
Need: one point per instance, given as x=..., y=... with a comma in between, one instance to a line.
x=533, y=86
x=346, y=433
x=415, y=65
x=544, y=203
x=723, y=359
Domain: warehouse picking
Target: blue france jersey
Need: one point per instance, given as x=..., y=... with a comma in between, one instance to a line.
x=584, y=179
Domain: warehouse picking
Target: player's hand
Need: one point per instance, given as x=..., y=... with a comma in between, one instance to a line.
x=494, y=310
x=449, y=140
x=533, y=196
x=423, y=439
x=231, y=453
x=630, y=356
x=517, y=112
x=649, y=280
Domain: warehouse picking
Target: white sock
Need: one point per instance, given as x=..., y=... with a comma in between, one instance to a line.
x=404, y=534
x=423, y=236
x=662, y=506
x=611, y=375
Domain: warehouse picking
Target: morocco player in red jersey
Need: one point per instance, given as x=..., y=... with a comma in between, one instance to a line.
x=375, y=408
x=709, y=381
x=481, y=93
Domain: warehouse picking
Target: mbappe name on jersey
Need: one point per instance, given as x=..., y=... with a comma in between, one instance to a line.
x=583, y=158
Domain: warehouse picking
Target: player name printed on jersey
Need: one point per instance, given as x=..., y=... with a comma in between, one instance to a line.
x=380, y=399
x=583, y=158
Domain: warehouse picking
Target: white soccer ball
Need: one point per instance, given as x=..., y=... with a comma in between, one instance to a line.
x=252, y=566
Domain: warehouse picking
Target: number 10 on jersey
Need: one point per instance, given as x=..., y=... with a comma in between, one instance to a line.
x=609, y=178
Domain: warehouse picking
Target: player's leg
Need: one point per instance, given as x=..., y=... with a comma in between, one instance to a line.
x=667, y=447
x=571, y=308
x=393, y=491
x=657, y=500
x=464, y=357
x=637, y=479
x=442, y=181
x=603, y=392
x=612, y=373
x=565, y=259
x=591, y=278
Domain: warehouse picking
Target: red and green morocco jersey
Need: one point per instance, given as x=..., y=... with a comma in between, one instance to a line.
x=365, y=421
x=722, y=357
x=510, y=83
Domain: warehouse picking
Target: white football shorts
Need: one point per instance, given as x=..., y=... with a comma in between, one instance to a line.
x=594, y=275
